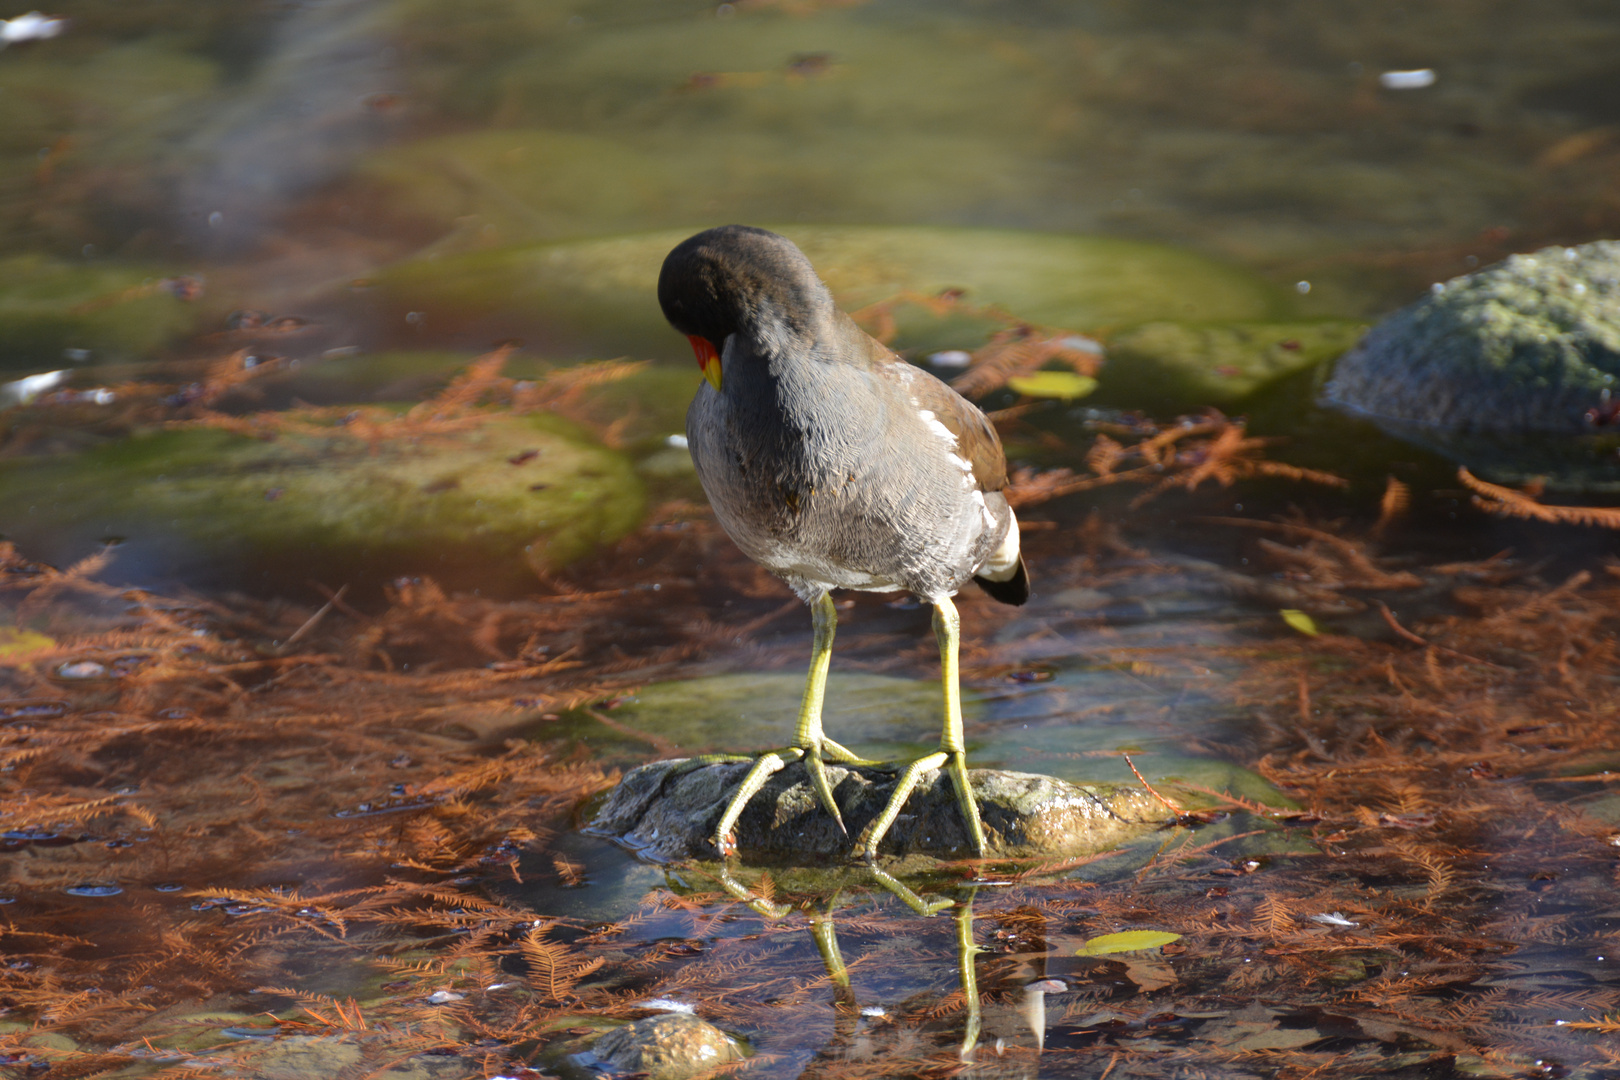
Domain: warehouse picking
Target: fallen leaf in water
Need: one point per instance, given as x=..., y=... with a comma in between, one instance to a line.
x=1300, y=621
x=1128, y=941
x=1149, y=973
x=1063, y=385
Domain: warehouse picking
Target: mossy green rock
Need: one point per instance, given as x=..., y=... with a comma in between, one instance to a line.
x=1170, y=364
x=646, y=405
x=109, y=113
x=110, y=311
x=457, y=507
x=599, y=296
x=298, y=1057
x=749, y=712
x=1510, y=369
x=882, y=717
x=1034, y=727
x=612, y=117
x=1527, y=345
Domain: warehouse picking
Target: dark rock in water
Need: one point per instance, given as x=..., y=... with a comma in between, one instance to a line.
x=672, y=1046
x=1512, y=369
x=668, y=814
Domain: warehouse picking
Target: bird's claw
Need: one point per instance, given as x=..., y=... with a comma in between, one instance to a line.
x=814, y=757
x=955, y=763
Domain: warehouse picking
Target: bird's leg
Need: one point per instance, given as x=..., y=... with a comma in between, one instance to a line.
x=966, y=950
x=810, y=744
x=832, y=958
x=948, y=632
x=901, y=890
x=807, y=736
x=764, y=766
x=952, y=752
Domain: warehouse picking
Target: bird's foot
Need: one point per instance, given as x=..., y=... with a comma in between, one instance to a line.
x=815, y=757
x=955, y=763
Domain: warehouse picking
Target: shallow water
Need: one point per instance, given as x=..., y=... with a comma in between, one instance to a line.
x=290, y=806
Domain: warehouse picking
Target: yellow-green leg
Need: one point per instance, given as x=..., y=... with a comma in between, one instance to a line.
x=912, y=900
x=821, y=928
x=810, y=744
x=966, y=950
x=952, y=752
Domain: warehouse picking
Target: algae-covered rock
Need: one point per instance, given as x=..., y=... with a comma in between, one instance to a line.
x=1511, y=369
x=644, y=404
x=91, y=124
x=672, y=1046
x=599, y=296
x=666, y=812
x=744, y=712
x=882, y=717
x=612, y=119
x=50, y=309
x=1527, y=345
x=307, y=1055
x=1170, y=364
x=645, y=407
x=476, y=507
x=1078, y=725
x=301, y=1057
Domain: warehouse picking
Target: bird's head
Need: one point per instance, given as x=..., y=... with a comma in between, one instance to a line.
x=742, y=281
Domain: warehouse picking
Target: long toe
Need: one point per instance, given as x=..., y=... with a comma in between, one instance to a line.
x=866, y=845
x=970, y=807
x=818, y=780
x=764, y=766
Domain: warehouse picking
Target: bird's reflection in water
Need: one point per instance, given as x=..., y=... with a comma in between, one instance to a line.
x=1016, y=985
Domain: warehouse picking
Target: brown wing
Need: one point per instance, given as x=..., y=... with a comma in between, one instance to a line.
x=976, y=437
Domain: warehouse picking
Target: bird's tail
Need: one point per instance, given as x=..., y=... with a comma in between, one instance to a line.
x=1004, y=575
x=1014, y=590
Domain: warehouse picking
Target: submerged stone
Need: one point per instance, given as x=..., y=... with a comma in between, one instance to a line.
x=644, y=404
x=1513, y=369
x=673, y=1046
x=871, y=714
x=479, y=506
x=54, y=313
x=92, y=122
x=667, y=812
x=298, y=1057
x=599, y=296
x=1171, y=364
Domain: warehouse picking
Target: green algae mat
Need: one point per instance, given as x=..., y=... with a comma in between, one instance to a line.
x=509, y=494
x=600, y=294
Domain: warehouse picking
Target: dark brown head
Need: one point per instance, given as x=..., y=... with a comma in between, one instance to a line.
x=737, y=279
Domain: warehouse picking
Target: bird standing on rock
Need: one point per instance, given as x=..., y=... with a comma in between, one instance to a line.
x=835, y=464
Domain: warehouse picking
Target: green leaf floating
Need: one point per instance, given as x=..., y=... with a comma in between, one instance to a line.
x=1064, y=385
x=1129, y=941
x=1299, y=621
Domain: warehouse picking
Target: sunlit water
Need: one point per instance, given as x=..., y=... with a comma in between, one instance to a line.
x=1405, y=865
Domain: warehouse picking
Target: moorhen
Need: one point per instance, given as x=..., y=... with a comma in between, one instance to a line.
x=835, y=464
